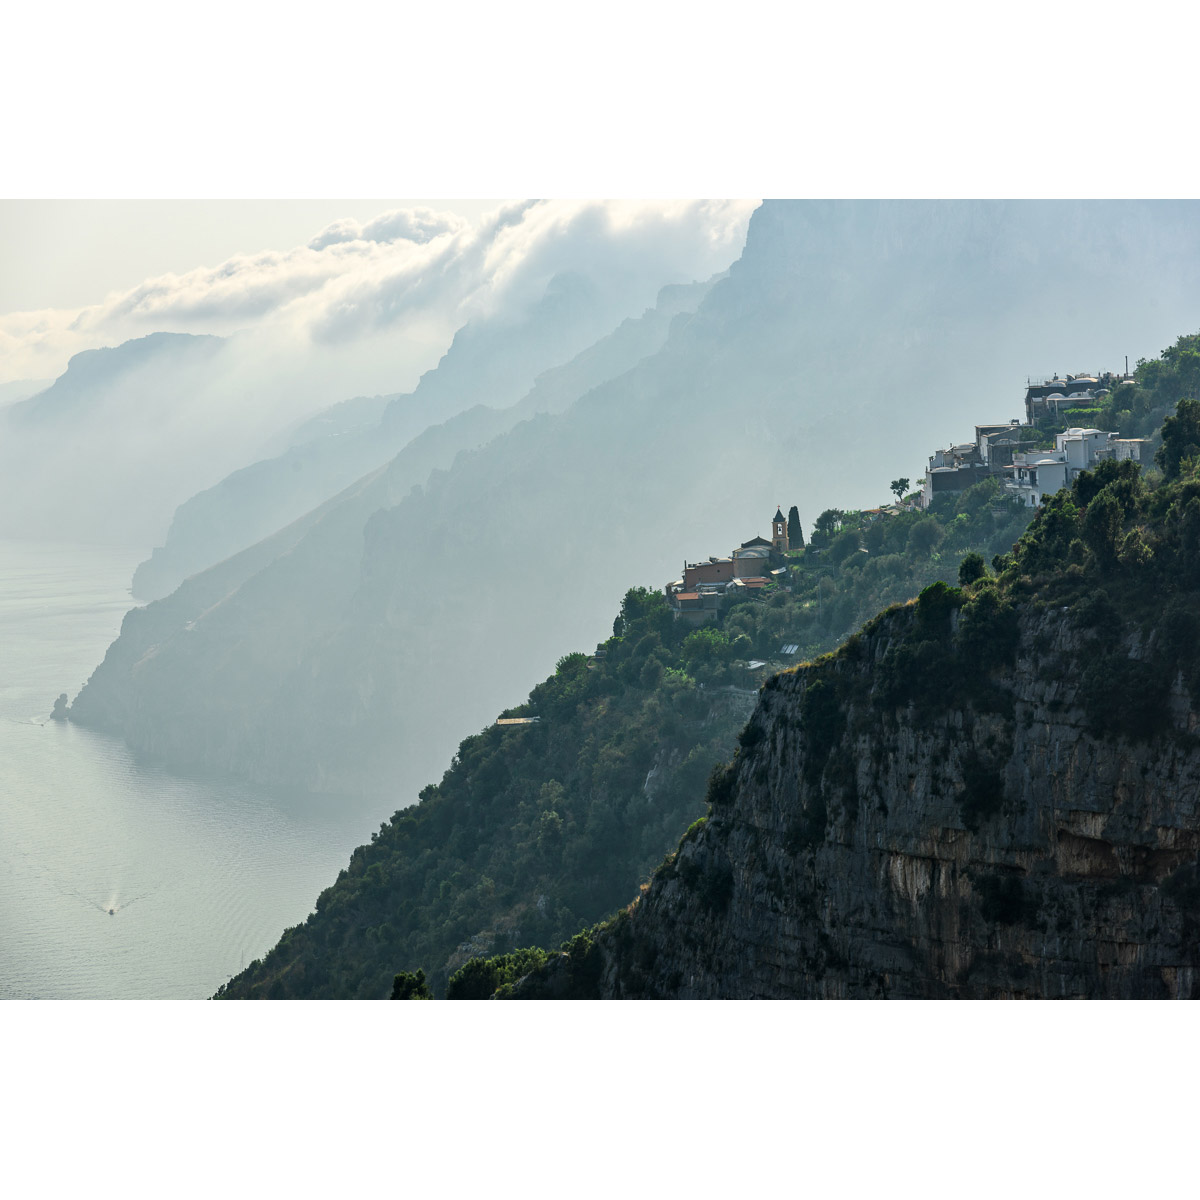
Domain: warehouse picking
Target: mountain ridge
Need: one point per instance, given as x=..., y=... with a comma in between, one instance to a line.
x=525, y=545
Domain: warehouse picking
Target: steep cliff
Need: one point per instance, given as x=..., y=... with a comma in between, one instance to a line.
x=970, y=853
x=991, y=792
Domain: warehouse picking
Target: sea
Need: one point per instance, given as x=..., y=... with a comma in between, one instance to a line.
x=119, y=880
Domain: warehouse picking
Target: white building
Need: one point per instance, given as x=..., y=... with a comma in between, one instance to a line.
x=1036, y=474
x=1040, y=473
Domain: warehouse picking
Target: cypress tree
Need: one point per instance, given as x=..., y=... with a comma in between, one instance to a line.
x=795, y=533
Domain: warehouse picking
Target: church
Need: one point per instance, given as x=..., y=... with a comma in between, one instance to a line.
x=708, y=587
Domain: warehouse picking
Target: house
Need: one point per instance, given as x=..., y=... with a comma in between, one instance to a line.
x=959, y=467
x=1047, y=399
x=1041, y=473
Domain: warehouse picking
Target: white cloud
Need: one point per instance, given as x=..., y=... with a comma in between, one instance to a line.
x=407, y=278
x=410, y=224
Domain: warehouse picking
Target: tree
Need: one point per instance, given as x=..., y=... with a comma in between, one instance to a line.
x=410, y=985
x=924, y=536
x=1102, y=527
x=899, y=486
x=825, y=526
x=1180, y=438
x=971, y=568
x=639, y=604
x=844, y=545
x=795, y=533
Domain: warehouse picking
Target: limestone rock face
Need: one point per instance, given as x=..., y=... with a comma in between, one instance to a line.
x=935, y=852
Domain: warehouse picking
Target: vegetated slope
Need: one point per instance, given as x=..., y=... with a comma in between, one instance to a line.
x=533, y=830
x=836, y=320
x=617, y=769
x=993, y=792
x=491, y=366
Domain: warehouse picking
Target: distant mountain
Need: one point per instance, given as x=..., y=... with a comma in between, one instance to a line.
x=21, y=389
x=847, y=342
x=99, y=453
x=492, y=364
x=92, y=373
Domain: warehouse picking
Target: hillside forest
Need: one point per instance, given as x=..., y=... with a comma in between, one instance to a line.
x=539, y=831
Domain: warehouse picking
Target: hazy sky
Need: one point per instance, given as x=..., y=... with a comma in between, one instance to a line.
x=68, y=253
x=304, y=274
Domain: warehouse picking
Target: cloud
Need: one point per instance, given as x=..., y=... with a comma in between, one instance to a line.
x=408, y=278
x=409, y=224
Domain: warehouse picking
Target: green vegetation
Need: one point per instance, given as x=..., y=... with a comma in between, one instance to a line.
x=535, y=830
x=1119, y=550
x=794, y=531
x=1136, y=408
x=858, y=564
x=411, y=986
x=479, y=978
x=538, y=831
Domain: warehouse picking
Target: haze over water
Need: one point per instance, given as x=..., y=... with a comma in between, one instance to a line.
x=203, y=876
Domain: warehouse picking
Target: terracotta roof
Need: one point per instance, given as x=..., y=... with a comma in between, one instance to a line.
x=687, y=595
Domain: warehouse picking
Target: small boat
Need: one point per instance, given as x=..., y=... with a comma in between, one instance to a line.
x=112, y=912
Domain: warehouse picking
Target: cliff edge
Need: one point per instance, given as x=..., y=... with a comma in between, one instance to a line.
x=991, y=792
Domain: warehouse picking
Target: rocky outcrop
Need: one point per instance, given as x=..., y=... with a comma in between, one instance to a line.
x=980, y=846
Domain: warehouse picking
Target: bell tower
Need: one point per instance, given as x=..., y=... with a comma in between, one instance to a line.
x=779, y=536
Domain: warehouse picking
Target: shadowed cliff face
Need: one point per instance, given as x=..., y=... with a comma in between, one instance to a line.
x=984, y=843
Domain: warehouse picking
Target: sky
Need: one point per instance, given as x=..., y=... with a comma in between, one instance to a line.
x=68, y=253
x=380, y=285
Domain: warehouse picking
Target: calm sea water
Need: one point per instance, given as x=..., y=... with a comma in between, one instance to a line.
x=202, y=877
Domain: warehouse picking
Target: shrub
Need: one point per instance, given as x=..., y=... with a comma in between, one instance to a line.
x=1122, y=696
x=411, y=986
x=988, y=631
x=822, y=722
x=971, y=568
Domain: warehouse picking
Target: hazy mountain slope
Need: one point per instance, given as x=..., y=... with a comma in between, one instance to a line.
x=17, y=390
x=76, y=458
x=846, y=343
x=492, y=365
x=90, y=373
